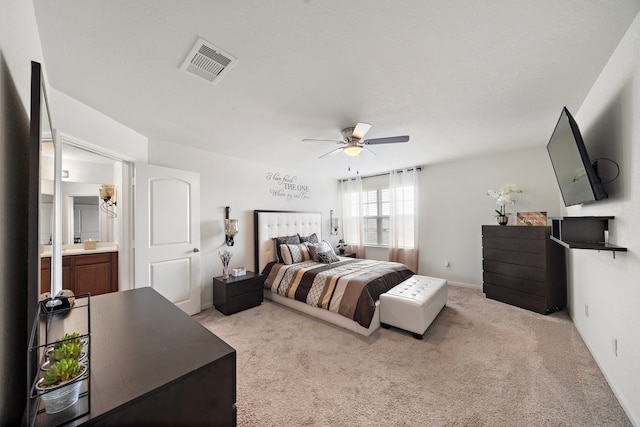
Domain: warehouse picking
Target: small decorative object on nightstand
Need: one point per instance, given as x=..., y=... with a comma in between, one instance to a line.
x=234, y=294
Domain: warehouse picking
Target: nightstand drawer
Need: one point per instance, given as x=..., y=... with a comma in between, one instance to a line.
x=241, y=302
x=239, y=287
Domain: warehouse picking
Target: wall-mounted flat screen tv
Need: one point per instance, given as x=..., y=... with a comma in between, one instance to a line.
x=577, y=175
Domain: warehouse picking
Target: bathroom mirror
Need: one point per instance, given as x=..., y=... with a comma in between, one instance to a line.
x=83, y=174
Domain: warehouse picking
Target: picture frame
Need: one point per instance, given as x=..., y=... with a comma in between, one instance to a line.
x=535, y=219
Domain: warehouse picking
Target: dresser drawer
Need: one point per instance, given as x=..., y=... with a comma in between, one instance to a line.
x=537, y=260
x=536, y=246
x=516, y=232
x=514, y=270
x=521, y=299
x=516, y=283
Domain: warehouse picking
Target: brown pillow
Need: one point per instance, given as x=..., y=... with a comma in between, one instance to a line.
x=285, y=240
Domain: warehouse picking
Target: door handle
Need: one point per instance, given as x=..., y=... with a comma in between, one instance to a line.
x=196, y=250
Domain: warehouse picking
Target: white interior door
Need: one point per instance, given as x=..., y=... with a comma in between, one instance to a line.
x=167, y=234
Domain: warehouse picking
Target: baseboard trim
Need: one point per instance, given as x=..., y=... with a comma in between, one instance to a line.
x=464, y=285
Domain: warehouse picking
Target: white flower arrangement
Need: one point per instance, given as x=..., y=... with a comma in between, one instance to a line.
x=503, y=197
x=225, y=257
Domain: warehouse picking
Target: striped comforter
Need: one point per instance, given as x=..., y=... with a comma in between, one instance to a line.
x=349, y=287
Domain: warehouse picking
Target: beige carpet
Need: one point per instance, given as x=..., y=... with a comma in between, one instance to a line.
x=481, y=363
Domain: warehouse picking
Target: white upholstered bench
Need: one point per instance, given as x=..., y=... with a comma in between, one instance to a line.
x=413, y=304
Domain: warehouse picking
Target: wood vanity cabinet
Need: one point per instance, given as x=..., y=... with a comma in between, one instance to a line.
x=94, y=273
x=522, y=266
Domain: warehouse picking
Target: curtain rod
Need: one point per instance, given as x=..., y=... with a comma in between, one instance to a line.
x=418, y=168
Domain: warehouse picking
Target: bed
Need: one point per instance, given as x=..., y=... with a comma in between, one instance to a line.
x=344, y=292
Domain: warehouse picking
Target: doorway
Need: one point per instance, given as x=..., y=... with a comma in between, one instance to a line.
x=89, y=221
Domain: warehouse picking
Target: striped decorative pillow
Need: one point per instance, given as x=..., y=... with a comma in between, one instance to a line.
x=293, y=239
x=293, y=254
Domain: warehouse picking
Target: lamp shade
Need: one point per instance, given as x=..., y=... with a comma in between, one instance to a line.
x=353, y=150
x=231, y=227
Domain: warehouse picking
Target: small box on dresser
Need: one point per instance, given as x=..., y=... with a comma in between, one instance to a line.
x=239, y=293
x=522, y=266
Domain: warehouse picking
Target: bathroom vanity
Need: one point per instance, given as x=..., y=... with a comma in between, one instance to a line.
x=93, y=271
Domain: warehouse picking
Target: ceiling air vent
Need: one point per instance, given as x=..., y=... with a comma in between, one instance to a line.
x=208, y=61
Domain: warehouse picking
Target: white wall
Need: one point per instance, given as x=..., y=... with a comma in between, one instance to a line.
x=610, y=122
x=243, y=186
x=84, y=125
x=454, y=205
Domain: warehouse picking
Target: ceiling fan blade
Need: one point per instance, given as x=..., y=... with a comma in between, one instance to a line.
x=387, y=140
x=337, y=150
x=367, y=153
x=323, y=140
x=360, y=130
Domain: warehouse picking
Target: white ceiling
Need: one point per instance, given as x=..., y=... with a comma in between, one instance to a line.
x=460, y=77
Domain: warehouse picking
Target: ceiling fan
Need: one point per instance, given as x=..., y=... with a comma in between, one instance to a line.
x=353, y=143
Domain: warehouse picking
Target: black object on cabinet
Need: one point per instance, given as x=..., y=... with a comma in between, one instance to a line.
x=522, y=266
x=235, y=294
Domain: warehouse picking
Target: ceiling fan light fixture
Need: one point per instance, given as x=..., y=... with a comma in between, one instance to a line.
x=353, y=150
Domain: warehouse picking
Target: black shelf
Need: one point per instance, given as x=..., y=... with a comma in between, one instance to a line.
x=48, y=329
x=583, y=232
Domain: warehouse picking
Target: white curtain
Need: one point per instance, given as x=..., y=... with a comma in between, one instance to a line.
x=403, y=217
x=352, y=215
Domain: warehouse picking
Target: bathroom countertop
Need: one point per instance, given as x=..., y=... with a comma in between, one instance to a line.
x=78, y=249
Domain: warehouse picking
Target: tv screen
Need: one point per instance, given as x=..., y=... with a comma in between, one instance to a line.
x=577, y=176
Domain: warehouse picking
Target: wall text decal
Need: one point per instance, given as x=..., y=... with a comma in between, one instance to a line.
x=286, y=187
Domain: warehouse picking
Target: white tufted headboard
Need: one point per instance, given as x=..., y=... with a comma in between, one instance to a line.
x=270, y=224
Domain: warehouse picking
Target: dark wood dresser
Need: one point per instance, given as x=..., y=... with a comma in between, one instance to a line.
x=151, y=364
x=522, y=266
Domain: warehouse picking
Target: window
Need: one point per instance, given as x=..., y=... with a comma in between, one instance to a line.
x=381, y=211
x=376, y=210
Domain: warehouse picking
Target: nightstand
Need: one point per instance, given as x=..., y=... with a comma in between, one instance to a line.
x=237, y=293
x=348, y=254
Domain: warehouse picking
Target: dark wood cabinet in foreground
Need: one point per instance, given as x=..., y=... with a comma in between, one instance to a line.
x=235, y=294
x=522, y=266
x=152, y=365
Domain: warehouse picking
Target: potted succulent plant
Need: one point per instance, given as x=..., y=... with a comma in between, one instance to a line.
x=72, y=349
x=341, y=246
x=61, y=381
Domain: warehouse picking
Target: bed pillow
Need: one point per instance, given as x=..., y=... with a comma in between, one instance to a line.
x=312, y=238
x=328, y=257
x=284, y=240
x=316, y=248
x=293, y=254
